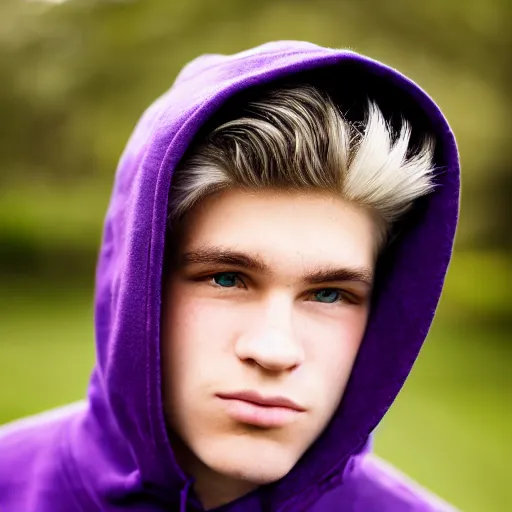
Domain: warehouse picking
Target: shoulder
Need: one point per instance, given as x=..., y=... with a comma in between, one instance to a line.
x=30, y=456
x=386, y=480
x=376, y=486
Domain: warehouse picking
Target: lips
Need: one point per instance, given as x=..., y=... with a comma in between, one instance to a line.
x=255, y=398
x=251, y=408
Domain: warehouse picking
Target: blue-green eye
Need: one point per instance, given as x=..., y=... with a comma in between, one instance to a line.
x=226, y=279
x=328, y=295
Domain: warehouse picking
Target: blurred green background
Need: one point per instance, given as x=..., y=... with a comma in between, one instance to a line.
x=75, y=77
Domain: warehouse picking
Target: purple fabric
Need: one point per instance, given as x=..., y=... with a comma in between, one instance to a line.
x=112, y=453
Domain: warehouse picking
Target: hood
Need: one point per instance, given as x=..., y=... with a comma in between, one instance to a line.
x=123, y=433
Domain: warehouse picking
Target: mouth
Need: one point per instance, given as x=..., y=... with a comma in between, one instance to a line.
x=251, y=408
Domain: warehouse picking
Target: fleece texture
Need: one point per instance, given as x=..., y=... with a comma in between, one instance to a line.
x=111, y=452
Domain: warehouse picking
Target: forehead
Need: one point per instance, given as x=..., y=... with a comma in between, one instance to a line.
x=287, y=230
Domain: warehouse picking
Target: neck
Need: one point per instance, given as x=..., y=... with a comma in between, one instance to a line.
x=212, y=488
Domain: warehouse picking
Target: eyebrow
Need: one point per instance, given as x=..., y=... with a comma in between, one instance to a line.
x=223, y=256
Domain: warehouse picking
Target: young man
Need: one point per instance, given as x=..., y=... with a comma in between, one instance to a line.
x=274, y=251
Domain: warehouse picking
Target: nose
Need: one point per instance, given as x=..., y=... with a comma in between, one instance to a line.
x=270, y=342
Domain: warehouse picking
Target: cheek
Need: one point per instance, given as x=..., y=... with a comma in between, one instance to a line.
x=184, y=355
x=331, y=347
x=183, y=323
x=197, y=336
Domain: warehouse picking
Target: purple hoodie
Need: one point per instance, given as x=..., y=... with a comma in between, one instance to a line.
x=111, y=452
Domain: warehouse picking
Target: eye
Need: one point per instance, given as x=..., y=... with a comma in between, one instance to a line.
x=328, y=295
x=226, y=279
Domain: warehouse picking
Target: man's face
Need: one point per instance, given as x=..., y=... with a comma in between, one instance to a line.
x=268, y=294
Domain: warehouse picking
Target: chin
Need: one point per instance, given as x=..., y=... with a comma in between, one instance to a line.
x=255, y=464
x=255, y=472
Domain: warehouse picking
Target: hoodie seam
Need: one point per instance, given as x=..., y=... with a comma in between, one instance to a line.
x=150, y=251
x=313, y=492
x=269, y=54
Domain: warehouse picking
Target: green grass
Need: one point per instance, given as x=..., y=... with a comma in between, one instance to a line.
x=46, y=350
x=449, y=428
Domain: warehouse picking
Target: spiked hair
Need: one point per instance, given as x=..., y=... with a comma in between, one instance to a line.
x=296, y=138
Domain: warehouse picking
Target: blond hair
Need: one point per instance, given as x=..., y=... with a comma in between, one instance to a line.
x=297, y=139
